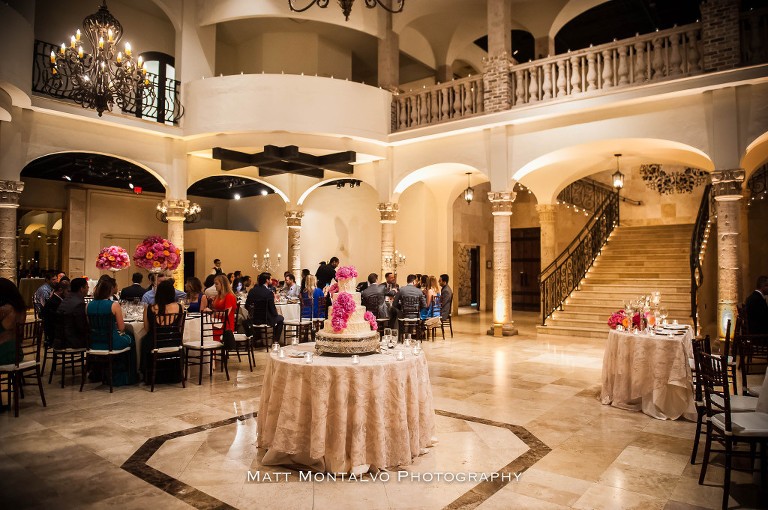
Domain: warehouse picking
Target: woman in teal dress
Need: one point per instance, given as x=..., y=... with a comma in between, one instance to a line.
x=124, y=365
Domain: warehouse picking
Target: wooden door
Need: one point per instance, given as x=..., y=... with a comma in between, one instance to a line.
x=525, y=268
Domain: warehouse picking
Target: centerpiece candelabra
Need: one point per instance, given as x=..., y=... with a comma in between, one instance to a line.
x=395, y=260
x=265, y=266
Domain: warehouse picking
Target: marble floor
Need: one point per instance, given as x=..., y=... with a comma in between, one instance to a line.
x=526, y=404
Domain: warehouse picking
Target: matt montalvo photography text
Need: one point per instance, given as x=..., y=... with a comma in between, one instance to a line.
x=383, y=476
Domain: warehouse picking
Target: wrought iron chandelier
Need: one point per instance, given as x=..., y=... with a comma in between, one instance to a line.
x=103, y=76
x=346, y=5
x=191, y=213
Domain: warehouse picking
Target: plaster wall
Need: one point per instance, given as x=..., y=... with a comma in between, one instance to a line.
x=234, y=248
x=266, y=215
x=416, y=232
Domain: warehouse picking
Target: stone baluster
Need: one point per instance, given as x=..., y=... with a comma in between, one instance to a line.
x=658, y=59
x=456, y=101
x=501, y=209
x=547, y=83
x=675, y=60
x=413, y=110
x=561, y=76
x=694, y=57
x=726, y=188
x=446, y=103
x=401, y=113
x=607, y=69
x=591, y=72
x=388, y=218
x=467, y=98
x=575, y=75
x=293, y=219
x=640, y=64
x=623, y=67
x=423, y=119
x=533, y=86
x=519, y=88
x=10, y=191
x=175, y=214
x=434, y=109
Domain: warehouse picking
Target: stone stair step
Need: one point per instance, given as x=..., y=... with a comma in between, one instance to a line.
x=651, y=285
x=578, y=333
x=603, y=315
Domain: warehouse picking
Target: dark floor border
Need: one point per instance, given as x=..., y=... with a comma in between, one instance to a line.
x=137, y=464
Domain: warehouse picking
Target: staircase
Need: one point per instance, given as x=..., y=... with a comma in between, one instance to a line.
x=635, y=261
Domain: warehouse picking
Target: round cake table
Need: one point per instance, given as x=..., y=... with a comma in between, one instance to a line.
x=337, y=417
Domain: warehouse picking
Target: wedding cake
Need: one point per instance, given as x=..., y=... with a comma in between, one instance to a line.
x=349, y=328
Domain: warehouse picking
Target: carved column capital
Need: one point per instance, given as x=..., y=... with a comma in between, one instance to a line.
x=175, y=209
x=10, y=192
x=501, y=202
x=547, y=212
x=388, y=212
x=726, y=184
x=294, y=218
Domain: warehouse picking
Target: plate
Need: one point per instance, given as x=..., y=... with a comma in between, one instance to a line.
x=296, y=354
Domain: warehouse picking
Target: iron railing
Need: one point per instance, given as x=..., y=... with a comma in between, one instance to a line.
x=564, y=274
x=697, y=242
x=165, y=108
x=587, y=194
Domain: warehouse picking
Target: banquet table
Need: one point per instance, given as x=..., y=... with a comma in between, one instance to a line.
x=335, y=416
x=650, y=373
x=289, y=311
x=191, y=330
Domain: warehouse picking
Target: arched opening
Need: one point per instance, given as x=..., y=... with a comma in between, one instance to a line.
x=229, y=187
x=523, y=45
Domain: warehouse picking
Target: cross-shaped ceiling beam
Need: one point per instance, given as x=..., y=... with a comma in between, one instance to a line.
x=286, y=160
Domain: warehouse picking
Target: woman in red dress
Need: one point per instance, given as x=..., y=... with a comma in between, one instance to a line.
x=224, y=300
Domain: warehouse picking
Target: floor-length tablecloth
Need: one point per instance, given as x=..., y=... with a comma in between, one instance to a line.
x=649, y=373
x=191, y=330
x=289, y=311
x=337, y=417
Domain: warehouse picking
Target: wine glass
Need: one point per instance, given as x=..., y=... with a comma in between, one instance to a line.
x=663, y=315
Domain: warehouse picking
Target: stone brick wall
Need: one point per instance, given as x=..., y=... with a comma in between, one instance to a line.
x=497, y=83
x=720, y=34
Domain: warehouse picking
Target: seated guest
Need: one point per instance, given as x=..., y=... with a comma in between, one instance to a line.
x=151, y=279
x=231, y=279
x=293, y=290
x=246, y=284
x=304, y=274
x=197, y=299
x=48, y=313
x=71, y=319
x=433, y=299
x=312, y=292
x=165, y=303
x=210, y=289
x=446, y=297
x=224, y=300
x=13, y=311
x=374, y=289
x=390, y=280
x=149, y=297
x=261, y=296
x=409, y=291
x=106, y=277
x=44, y=291
x=124, y=365
x=757, y=308
x=135, y=290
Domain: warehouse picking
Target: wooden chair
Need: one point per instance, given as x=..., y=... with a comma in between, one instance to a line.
x=373, y=304
x=318, y=322
x=726, y=426
x=212, y=324
x=753, y=359
x=261, y=329
x=244, y=342
x=409, y=321
x=101, y=332
x=699, y=345
x=27, y=358
x=301, y=329
x=67, y=356
x=167, y=343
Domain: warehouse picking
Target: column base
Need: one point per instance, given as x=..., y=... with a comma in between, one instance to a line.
x=507, y=329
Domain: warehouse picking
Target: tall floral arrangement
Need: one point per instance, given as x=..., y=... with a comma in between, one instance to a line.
x=113, y=258
x=343, y=307
x=346, y=272
x=157, y=254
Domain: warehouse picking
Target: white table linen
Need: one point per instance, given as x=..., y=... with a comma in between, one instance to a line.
x=191, y=330
x=762, y=401
x=649, y=373
x=333, y=416
x=289, y=311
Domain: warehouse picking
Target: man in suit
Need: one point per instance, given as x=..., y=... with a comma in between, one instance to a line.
x=373, y=289
x=757, y=308
x=72, y=321
x=135, y=290
x=326, y=272
x=408, y=291
x=390, y=281
x=446, y=297
x=260, y=296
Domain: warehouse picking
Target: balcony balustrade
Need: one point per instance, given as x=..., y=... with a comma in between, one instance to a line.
x=452, y=100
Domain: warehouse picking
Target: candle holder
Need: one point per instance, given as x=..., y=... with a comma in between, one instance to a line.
x=308, y=358
x=275, y=347
x=265, y=266
x=400, y=356
x=281, y=353
x=355, y=359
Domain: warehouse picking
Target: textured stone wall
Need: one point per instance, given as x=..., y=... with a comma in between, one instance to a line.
x=497, y=84
x=720, y=39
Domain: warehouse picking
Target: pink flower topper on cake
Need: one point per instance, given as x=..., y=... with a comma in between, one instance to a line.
x=346, y=272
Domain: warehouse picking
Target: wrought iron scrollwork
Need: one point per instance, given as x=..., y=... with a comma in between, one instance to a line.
x=588, y=194
x=697, y=241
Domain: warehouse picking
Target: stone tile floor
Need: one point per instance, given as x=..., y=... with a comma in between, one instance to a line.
x=69, y=455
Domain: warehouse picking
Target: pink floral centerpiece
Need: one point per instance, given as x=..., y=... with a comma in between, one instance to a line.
x=371, y=320
x=346, y=272
x=156, y=254
x=618, y=318
x=343, y=307
x=113, y=258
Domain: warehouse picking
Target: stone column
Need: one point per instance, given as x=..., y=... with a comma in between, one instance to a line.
x=720, y=34
x=547, y=218
x=501, y=209
x=389, y=57
x=726, y=188
x=497, y=82
x=9, y=202
x=175, y=213
x=388, y=212
x=294, y=242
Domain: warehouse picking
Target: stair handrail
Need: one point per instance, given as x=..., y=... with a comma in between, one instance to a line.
x=587, y=193
x=560, y=278
x=697, y=243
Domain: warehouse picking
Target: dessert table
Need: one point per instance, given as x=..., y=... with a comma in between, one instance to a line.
x=650, y=373
x=335, y=416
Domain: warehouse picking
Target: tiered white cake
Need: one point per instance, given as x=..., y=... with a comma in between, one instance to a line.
x=357, y=337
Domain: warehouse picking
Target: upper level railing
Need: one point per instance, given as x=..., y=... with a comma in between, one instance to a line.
x=165, y=108
x=698, y=244
x=588, y=194
x=452, y=100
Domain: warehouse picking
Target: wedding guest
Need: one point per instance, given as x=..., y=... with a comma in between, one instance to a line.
x=216, y=268
x=293, y=290
x=246, y=283
x=165, y=303
x=13, y=311
x=327, y=272
x=757, y=308
x=423, y=283
x=48, y=313
x=224, y=300
x=231, y=279
x=61, y=275
x=149, y=297
x=135, y=290
x=433, y=299
x=197, y=299
x=409, y=291
x=313, y=292
x=71, y=319
x=43, y=292
x=210, y=289
x=374, y=289
x=151, y=279
x=446, y=297
x=390, y=280
x=260, y=296
x=124, y=364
